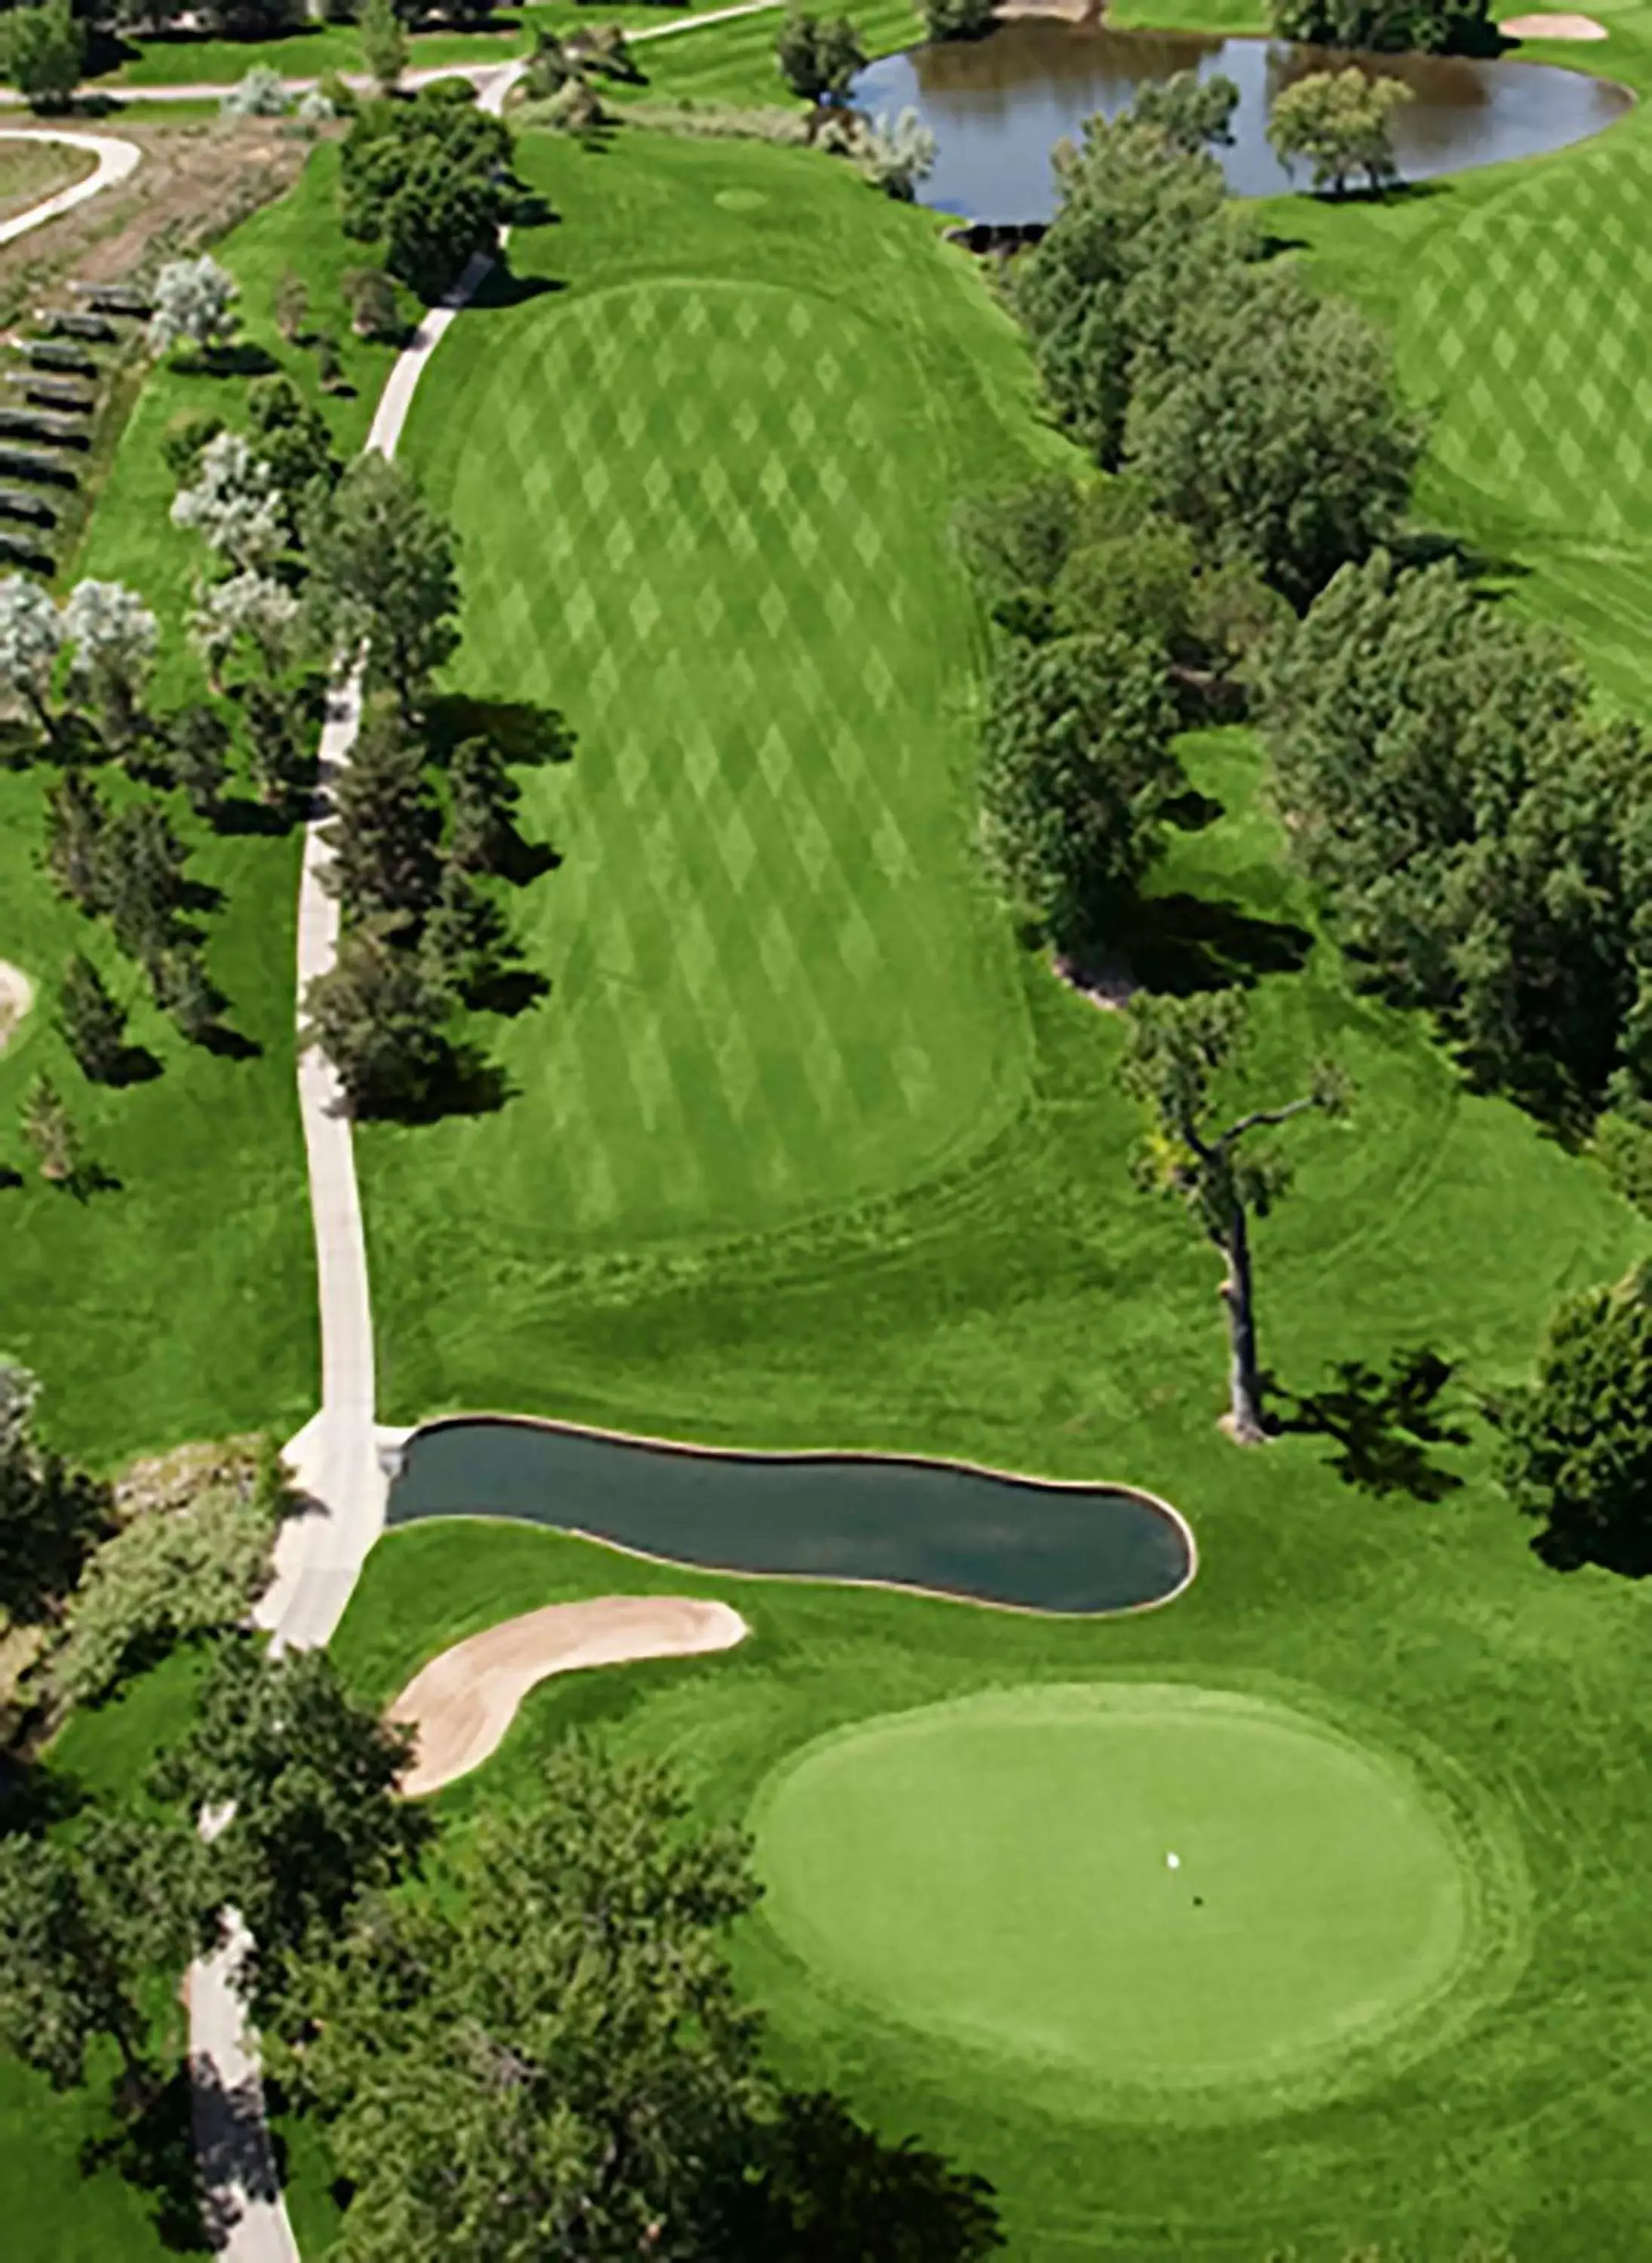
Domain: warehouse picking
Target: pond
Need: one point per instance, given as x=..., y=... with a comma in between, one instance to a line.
x=937, y=1525
x=997, y=106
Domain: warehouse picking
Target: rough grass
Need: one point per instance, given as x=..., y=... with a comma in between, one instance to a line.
x=30, y=170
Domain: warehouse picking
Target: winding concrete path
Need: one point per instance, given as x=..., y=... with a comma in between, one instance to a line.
x=117, y=160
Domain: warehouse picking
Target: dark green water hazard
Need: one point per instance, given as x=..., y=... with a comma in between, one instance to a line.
x=914, y=1524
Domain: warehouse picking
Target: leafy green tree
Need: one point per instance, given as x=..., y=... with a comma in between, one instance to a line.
x=170, y=1577
x=51, y=1514
x=379, y=1016
x=277, y=748
x=484, y=799
x=76, y=820
x=383, y=563
x=466, y=941
x=818, y=56
x=1138, y=585
x=198, y=757
x=92, y=1020
x=1340, y=122
x=1191, y=113
x=292, y=437
x=1456, y=27
x=312, y=1777
x=1076, y=768
x=376, y=312
x=88, y=1925
x=385, y=825
x=1141, y=232
x=291, y=304
x=383, y=43
x=958, y=19
x=1577, y=1448
x=1479, y=834
x=428, y=179
x=1275, y=434
x=185, y=989
x=43, y=52
x=50, y=1132
x=143, y=885
x=1176, y=1049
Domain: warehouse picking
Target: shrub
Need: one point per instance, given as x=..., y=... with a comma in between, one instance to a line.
x=259, y=94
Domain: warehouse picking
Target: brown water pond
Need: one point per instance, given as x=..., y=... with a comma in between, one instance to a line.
x=997, y=106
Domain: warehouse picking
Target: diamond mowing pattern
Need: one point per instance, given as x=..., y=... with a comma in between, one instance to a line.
x=1531, y=327
x=762, y=976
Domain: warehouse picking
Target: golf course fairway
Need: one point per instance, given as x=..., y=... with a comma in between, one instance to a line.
x=998, y=1872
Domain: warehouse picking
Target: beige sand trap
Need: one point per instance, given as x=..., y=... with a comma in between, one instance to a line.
x=462, y=1703
x=1552, y=28
x=16, y=996
x=1066, y=12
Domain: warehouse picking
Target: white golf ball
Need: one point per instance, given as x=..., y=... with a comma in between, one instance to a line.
x=1172, y=1862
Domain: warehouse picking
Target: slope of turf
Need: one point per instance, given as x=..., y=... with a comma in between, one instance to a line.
x=180, y=1302
x=1157, y=1896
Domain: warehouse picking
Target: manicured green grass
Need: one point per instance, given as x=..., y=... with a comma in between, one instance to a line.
x=734, y=62
x=1133, y=1895
x=181, y=1303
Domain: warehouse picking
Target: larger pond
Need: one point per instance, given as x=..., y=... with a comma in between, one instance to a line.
x=997, y=106
x=932, y=1525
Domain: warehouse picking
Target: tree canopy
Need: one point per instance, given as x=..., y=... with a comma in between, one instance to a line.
x=384, y=566
x=1576, y=1449
x=51, y=1513
x=1340, y=122
x=818, y=55
x=1480, y=836
x=428, y=178
x=1440, y=27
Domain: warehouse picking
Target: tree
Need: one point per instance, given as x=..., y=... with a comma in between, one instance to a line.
x=958, y=19
x=113, y=635
x=1479, y=835
x=291, y=437
x=92, y=1020
x=49, y=1132
x=1137, y=584
x=143, y=884
x=31, y=637
x=1339, y=121
x=383, y=43
x=198, y=757
x=1276, y=435
x=1076, y=767
x=558, y=2048
x=51, y=1514
x=818, y=56
x=1193, y=113
x=1577, y=1448
x=312, y=1777
x=1175, y=1050
x=76, y=823
x=259, y=92
x=1458, y=27
x=895, y=155
x=379, y=1018
x=375, y=310
x=291, y=304
x=278, y=747
x=385, y=825
x=88, y=1923
x=428, y=179
x=194, y=306
x=43, y=51
x=384, y=561
x=235, y=505
x=171, y=1576
x=185, y=989
x=483, y=799
x=251, y=605
x=1141, y=232
x=467, y=940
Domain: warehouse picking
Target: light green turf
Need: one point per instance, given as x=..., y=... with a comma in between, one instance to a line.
x=1151, y=1885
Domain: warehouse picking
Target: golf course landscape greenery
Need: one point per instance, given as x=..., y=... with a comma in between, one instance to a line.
x=1298, y=1917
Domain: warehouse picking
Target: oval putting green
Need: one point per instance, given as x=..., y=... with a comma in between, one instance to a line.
x=1149, y=1885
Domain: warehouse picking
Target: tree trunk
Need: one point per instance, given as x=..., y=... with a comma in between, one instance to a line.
x=1243, y=1420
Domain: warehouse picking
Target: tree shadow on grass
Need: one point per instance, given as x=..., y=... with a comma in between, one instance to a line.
x=239, y=816
x=527, y=735
x=132, y=1064
x=464, y=1083
x=509, y=991
x=1184, y=943
x=1383, y=1426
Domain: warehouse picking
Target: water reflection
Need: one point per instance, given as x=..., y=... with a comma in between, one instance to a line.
x=999, y=105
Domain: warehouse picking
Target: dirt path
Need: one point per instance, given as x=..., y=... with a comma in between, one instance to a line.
x=461, y=1704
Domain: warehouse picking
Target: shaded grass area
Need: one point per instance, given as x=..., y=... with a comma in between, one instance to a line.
x=179, y=1303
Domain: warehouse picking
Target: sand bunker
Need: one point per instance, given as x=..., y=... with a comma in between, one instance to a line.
x=16, y=996
x=1552, y=28
x=462, y=1703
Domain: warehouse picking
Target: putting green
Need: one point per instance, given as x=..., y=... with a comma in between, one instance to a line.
x=997, y=1871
